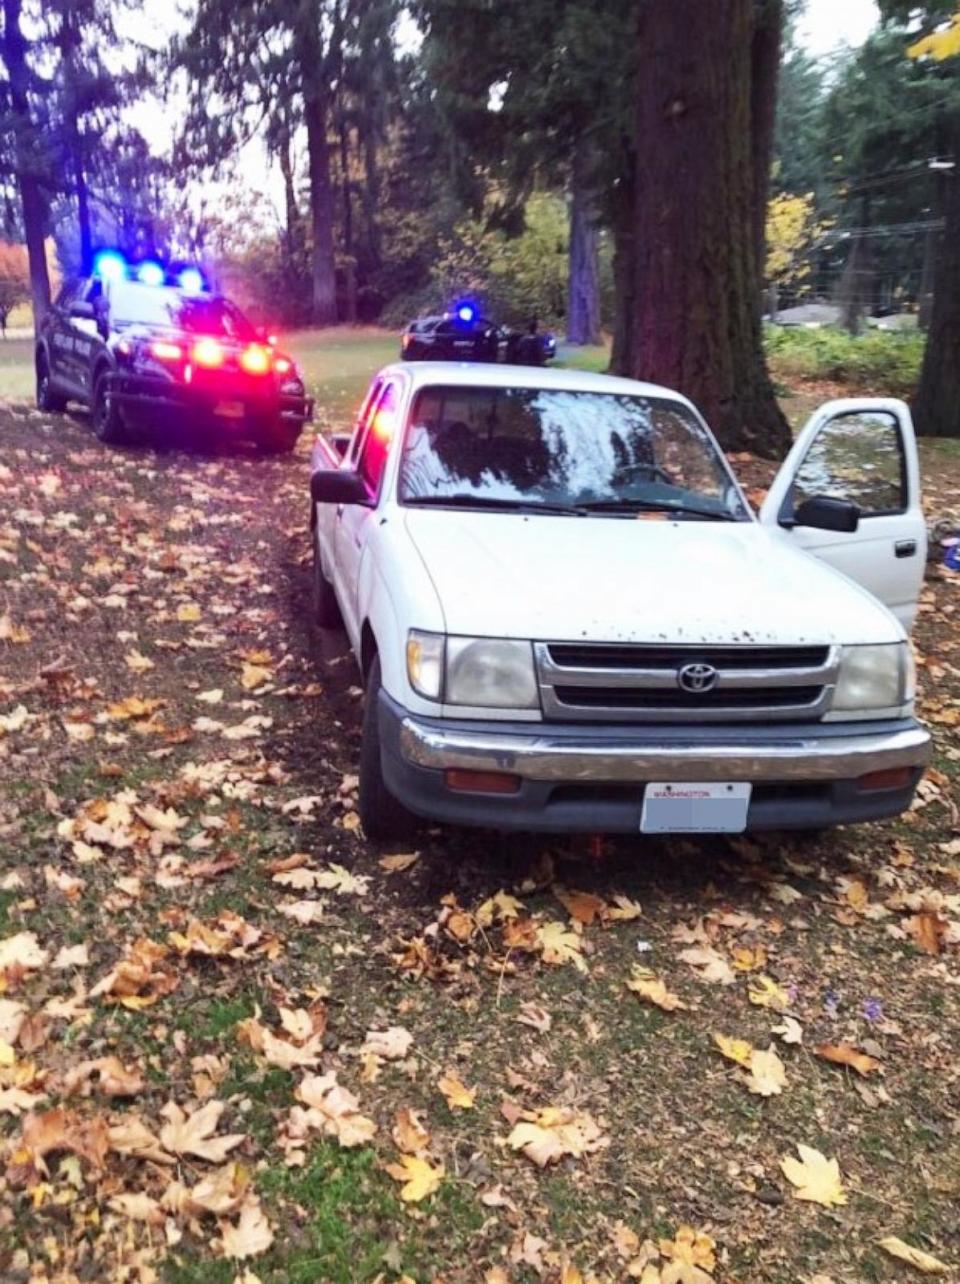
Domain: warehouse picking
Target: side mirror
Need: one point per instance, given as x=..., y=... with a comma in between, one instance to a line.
x=330, y=486
x=826, y=514
x=83, y=310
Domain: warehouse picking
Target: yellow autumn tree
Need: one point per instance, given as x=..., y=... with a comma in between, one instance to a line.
x=792, y=231
x=941, y=44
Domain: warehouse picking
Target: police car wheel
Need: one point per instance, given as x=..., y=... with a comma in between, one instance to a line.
x=47, y=400
x=107, y=424
x=279, y=441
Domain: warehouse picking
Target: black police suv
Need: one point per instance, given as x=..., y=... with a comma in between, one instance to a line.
x=145, y=349
x=465, y=335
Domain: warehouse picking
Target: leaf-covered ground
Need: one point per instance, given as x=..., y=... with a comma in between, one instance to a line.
x=238, y=1042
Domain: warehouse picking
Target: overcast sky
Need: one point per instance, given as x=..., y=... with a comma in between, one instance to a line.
x=829, y=23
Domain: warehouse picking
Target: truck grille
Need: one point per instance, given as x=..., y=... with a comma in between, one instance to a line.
x=619, y=682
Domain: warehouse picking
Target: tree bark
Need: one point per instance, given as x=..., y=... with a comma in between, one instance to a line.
x=583, y=292
x=34, y=206
x=765, y=74
x=314, y=79
x=936, y=407
x=696, y=317
x=624, y=265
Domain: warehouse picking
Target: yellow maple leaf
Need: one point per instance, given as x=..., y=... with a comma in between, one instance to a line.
x=815, y=1177
x=253, y=676
x=738, y=1050
x=188, y=612
x=764, y=992
x=653, y=989
x=458, y=1096
x=559, y=945
x=420, y=1178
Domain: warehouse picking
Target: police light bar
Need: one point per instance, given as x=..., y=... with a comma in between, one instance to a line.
x=466, y=312
x=110, y=265
x=191, y=281
x=150, y=273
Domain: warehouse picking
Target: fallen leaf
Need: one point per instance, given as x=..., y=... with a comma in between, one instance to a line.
x=763, y=992
x=651, y=988
x=584, y=907
x=915, y=1257
x=22, y=951
x=409, y=1135
x=251, y=1235
x=458, y=1096
x=553, y=1133
x=139, y=1207
x=534, y=1015
x=928, y=930
x=844, y=1054
x=420, y=1178
x=767, y=1075
x=397, y=864
x=392, y=1044
x=192, y=1134
x=72, y=956
x=738, y=1050
x=709, y=963
x=559, y=945
x=815, y=1177
x=790, y=1030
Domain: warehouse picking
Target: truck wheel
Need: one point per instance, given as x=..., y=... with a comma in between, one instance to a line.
x=107, y=424
x=383, y=817
x=47, y=400
x=326, y=612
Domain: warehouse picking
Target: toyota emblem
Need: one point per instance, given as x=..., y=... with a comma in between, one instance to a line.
x=697, y=678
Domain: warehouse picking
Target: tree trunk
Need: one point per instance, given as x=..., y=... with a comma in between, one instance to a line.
x=370, y=196
x=624, y=265
x=583, y=292
x=696, y=318
x=34, y=206
x=765, y=73
x=324, y=306
x=936, y=407
x=83, y=205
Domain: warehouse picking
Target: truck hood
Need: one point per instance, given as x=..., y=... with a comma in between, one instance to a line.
x=616, y=580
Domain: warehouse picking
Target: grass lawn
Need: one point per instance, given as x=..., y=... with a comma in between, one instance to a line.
x=337, y=363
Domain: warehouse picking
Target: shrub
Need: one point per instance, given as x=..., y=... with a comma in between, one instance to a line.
x=879, y=361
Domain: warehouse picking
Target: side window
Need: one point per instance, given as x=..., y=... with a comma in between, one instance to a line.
x=857, y=457
x=363, y=418
x=376, y=443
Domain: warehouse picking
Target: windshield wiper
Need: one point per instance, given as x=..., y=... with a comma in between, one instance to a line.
x=657, y=506
x=465, y=500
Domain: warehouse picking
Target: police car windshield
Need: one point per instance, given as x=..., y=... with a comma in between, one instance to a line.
x=132, y=303
x=604, y=453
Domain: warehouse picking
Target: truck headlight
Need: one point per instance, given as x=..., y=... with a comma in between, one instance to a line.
x=491, y=673
x=874, y=677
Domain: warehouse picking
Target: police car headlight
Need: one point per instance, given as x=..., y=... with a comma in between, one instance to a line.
x=874, y=678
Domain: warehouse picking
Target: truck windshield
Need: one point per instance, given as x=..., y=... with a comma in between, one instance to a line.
x=597, y=452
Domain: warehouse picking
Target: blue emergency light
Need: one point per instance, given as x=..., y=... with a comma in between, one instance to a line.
x=110, y=265
x=150, y=273
x=466, y=312
x=191, y=281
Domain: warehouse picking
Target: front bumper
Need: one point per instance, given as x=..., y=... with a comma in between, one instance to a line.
x=592, y=777
x=152, y=400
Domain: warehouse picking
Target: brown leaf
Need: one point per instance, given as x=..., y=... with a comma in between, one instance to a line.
x=409, y=1135
x=192, y=1134
x=845, y=1054
x=927, y=929
x=252, y=1233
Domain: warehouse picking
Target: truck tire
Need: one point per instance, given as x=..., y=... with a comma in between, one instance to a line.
x=48, y=400
x=383, y=817
x=326, y=610
x=107, y=423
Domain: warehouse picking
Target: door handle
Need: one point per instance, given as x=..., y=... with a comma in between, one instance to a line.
x=905, y=547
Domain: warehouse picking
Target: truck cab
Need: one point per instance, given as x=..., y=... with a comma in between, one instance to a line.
x=568, y=617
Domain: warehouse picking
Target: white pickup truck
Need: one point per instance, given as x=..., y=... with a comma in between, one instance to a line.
x=567, y=617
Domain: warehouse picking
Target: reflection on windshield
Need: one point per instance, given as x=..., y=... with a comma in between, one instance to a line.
x=537, y=445
x=134, y=304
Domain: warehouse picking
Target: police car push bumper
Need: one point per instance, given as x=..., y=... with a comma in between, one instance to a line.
x=565, y=778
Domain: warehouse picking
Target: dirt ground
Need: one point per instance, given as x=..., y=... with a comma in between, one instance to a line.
x=238, y=1042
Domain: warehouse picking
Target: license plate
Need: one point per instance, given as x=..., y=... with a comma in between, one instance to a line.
x=229, y=409
x=691, y=808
